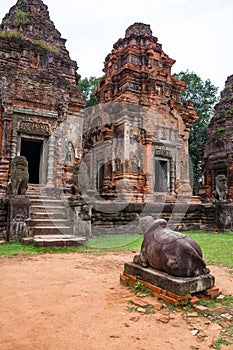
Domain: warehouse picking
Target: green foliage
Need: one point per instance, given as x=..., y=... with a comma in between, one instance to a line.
x=69, y=87
x=98, y=245
x=221, y=129
x=21, y=17
x=12, y=249
x=214, y=305
x=139, y=288
x=88, y=86
x=13, y=35
x=228, y=333
x=217, y=248
x=116, y=242
x=217, y=343
x=45, y=46
x=203, y=94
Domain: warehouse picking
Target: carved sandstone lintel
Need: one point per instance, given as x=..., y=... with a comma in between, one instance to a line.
x=38, y=127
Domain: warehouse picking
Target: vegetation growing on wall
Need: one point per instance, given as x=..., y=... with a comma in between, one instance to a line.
x=45, y=46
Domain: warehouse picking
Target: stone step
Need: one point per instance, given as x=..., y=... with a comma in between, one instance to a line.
x=45, y=209
x=47, y=202
x=39, y=196
x=55, y=241
x=51, y=230
x=59, y=215
x=48, y=222
x=48, y=210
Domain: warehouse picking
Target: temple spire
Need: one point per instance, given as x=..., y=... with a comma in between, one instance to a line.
x=31, y=19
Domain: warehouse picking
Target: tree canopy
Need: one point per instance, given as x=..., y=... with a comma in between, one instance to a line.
x=88, y=86
x=203, y=94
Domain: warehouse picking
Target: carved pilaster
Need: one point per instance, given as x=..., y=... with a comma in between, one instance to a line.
x=172, y=176
x=14, y=140
x=50, y=173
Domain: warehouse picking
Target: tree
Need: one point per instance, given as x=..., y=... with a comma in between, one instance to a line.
x=203, y=94
x=88, y=86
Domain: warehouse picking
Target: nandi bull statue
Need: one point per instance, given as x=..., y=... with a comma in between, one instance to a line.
x=169, y=251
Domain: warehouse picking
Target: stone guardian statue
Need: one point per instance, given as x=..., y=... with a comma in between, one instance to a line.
x=221, y=188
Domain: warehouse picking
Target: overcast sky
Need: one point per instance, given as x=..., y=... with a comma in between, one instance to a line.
x=197, y=34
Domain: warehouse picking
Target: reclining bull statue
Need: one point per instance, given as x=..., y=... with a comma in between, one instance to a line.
x=169, y=251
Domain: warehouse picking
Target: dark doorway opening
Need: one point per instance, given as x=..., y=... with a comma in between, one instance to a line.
x=161, y=180
x=100, y=178
x=32, y=151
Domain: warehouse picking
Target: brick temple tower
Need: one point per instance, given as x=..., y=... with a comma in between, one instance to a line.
x=217, y=152
x=136, y=140
x=40, y=103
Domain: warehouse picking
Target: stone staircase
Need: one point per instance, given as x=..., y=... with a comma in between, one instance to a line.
x=49, y=223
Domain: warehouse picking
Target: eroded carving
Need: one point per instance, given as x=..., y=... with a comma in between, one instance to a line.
x=19, y=176
x=19, y=212
x=169, y=251
x=70, y=153
x=80, y=179
x=221, y=188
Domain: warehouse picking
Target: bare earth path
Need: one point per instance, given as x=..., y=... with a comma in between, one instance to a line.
x=75, y=301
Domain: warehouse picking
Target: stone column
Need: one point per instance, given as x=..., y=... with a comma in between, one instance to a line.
x=50, y=173
x=148, y=165
x=6, y=147
x=59, y=137
x=6, y=141
x=172, y=174
x=14, y=141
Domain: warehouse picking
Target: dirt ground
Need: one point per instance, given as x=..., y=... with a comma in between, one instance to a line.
x=75, y=301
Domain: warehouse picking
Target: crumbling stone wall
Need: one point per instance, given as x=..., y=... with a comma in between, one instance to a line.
x=217, y=153
x=3, y=219
x=118, y=218
x=38, y=87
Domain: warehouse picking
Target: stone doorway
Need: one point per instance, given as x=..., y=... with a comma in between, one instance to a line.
x=100, y=177
x=161, y=179
x=32, y=150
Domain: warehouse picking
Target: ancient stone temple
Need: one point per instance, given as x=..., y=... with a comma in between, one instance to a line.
x=40, y=103
x=136, y=139
x=131, y=150
x=217, y=158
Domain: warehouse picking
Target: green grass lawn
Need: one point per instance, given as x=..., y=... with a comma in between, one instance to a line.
x=217, y=248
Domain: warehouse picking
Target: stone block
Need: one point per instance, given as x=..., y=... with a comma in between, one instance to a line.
x=212, y=292
x=201, y=309
x=58, y=241
x=177, y=285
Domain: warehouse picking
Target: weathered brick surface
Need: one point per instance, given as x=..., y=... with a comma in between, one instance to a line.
x=218, y=151
x=140, y=107
x=3, y=219
x=171, y=298
x=38, y=86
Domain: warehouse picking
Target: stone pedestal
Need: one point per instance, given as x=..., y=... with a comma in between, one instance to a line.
x=82, y=213
x=224, y=214
x=177, y=285
x=18, y=214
